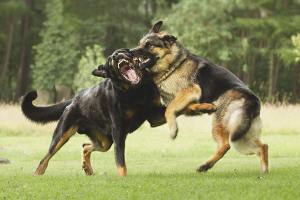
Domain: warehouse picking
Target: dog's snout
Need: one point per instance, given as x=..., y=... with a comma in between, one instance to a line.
x=115, y=55
x=133, y=52
x=136, y=52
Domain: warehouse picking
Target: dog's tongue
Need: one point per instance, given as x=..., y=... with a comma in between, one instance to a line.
x=131, y=75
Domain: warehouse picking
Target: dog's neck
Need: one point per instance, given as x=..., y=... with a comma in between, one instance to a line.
x=166, y=68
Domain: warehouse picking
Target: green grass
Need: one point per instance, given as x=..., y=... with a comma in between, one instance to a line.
x=158, y=167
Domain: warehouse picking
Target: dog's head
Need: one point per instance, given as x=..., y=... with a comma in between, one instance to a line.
x=153, y=46
x=121, y=68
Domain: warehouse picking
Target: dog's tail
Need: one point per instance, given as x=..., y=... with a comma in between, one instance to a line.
x=42, y=115
x=241, y=119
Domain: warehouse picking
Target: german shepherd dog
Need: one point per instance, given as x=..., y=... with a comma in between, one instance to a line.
x=183, y=77
x=106, y=112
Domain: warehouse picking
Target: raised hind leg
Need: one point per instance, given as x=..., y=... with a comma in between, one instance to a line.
x=221, y=136
x=100, y=142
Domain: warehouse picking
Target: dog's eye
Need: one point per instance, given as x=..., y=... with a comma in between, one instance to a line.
x=148, y=44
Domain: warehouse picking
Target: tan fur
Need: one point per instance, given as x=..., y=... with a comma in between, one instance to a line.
x=176, y=88
x=42, y=167
x=197, y=107
x=86, y=161
x=228, y=117
x=263, y=156
x=129, y=113
x=175, y=75
x=222, y=138
x=122, y=171
x=181, y=100
x=103, y=144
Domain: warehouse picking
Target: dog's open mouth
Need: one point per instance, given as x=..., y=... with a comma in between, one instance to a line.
x=142, y=59
x=127, y=70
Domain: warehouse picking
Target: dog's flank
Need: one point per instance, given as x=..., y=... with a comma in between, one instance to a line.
x=42, y=115
x=182, y=77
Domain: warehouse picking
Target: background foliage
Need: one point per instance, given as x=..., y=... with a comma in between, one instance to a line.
x=87, y=63
x=250, y=38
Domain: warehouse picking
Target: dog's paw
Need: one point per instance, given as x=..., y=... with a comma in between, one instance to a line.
x=87, y=170
x=209, y=109
x=173, y=133
x=203, y=168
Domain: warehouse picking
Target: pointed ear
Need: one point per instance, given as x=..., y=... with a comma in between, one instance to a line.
x=100, y=72
x=169, y=38
x=156, y=27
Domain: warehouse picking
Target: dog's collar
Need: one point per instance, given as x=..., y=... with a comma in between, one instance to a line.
x=169, y=72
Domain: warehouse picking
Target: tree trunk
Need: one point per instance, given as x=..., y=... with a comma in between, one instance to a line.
x=277, y=69
x=271, y=75
x=24, y=64
x=295, y=84
x=110, y=32
x=7, y=51
x=239, y=72
x=252, y=72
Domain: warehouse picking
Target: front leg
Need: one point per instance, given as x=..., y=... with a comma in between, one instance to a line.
x=183, y=98
x=157, y=116
x=119, y=140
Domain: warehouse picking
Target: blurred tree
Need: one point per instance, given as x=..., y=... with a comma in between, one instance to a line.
x=9, y=10
x=296, y=43
x=250, y=38
x=56, y=57
x=277, y=22
x=91, y=60
x=25, y=53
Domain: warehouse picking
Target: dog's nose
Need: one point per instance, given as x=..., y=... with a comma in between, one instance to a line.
x=115, y=55
x=133, y=51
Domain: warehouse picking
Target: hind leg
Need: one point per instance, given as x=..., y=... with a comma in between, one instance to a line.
x=262, y=154
x=56, y=144
x=64, y=130
x=100, y=142
x=251, y=144
x=221, y=136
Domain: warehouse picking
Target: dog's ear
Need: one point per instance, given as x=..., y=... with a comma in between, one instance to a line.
x=100, y=72
x=156, y=27
x=169, y=39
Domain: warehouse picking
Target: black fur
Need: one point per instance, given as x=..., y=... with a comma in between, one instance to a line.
x=42, y=115
x=103, y=107
x=215, y=81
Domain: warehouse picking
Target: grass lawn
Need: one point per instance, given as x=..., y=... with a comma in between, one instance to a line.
x=158, y=167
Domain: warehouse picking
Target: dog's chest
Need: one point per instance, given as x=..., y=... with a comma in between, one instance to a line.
x=169, y=88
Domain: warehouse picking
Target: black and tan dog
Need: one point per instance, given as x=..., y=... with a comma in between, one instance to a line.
x=106, y=112
x=183, y=77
